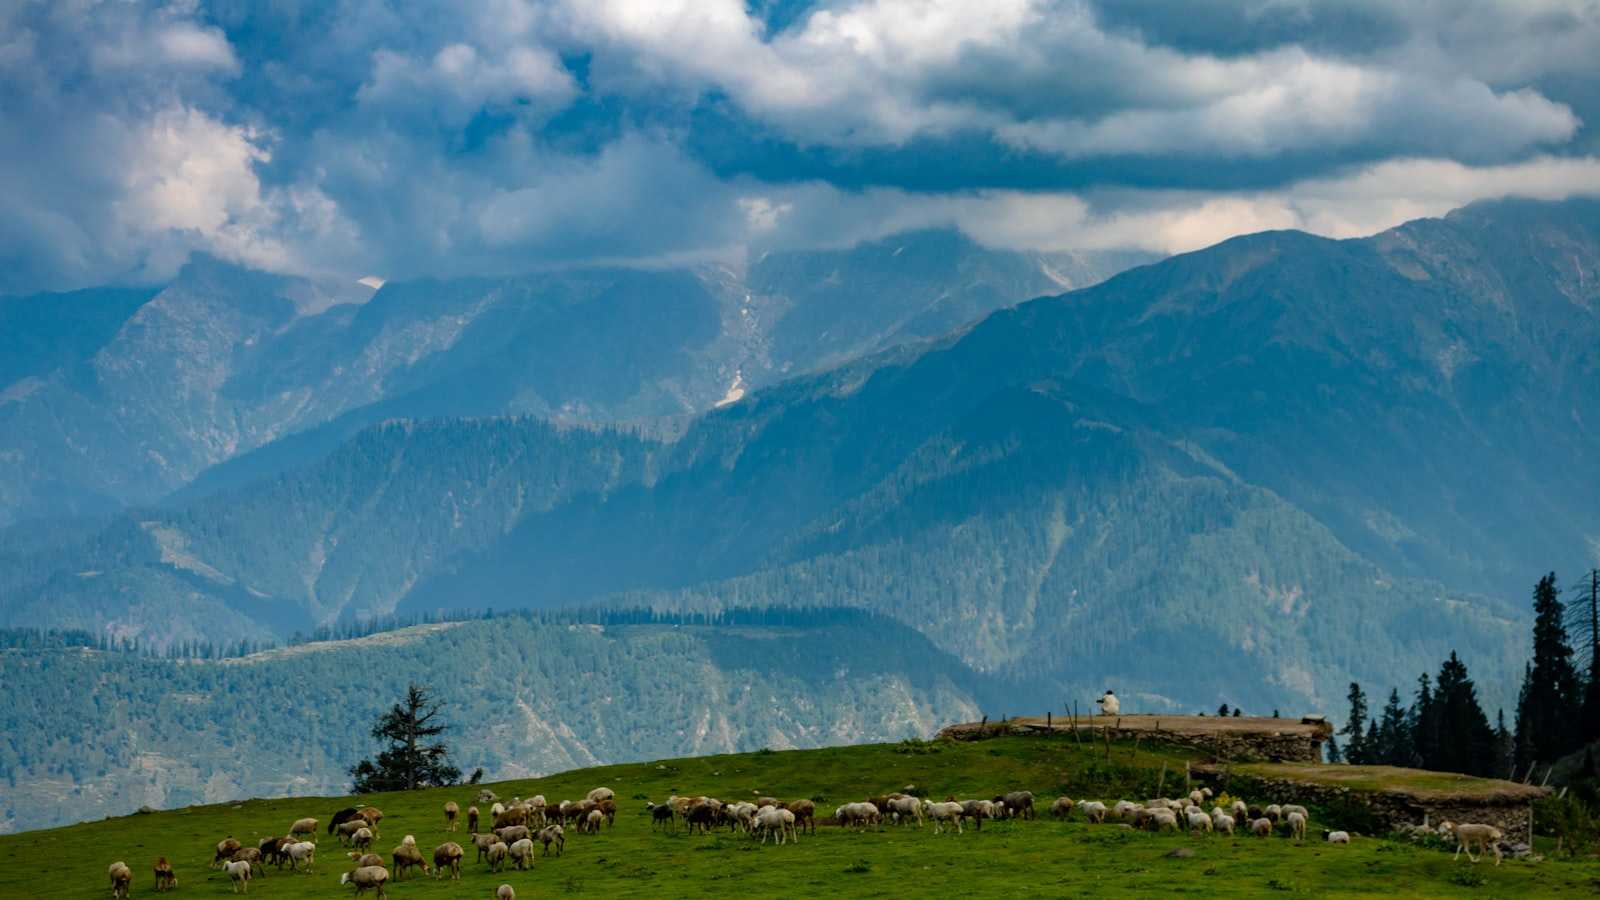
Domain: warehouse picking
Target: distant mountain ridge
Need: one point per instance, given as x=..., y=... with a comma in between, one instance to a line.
x=1320, y=459
x=120, y=397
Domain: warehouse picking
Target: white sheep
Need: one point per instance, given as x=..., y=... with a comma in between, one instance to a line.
x=1297, y=825
x=367, y=878
x=1222, y=822
x=522, y=853
x=859, y=815
x=1109, y=705
x=1198, y=821
x=1093, y=811
x=769, y=820
x=1197, y=797
x=121, y=879
x=505, y=892
x=498, y=851
x=552, y=834
x=1261, y=827
x=1338, y=837
x=1126, y=810
x=301, y=852
x=1240, y=811
x=239, y=873
x=943, y=813
x=903, y=807
x=602, y=793
x=1484, y=837
x=362, y=839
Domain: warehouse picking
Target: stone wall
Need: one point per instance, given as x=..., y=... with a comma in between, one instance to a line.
x=1282, y=741
x=1390, y=808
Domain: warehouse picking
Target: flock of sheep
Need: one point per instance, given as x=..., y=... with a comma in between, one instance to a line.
x=517, y=828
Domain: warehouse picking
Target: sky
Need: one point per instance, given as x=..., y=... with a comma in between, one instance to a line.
x=371, y=137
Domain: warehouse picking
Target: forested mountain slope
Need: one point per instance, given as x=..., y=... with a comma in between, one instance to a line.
x=91, y=733
x=1315, y=458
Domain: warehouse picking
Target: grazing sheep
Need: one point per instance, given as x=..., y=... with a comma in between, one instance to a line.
x=1274, y=812
x=1163, y=820
x=343, y=816
x=226, y=848
x=239, y=874
x=447, y=858
x=496, y=811
x=451, y=811
x=1239, y=811
x=602, y=793
x=1337, y=837
x=1483, y=837
x=1109, y=704
x=903, y=808
x=483, y=842
x=347, y=829
x=859, y=815
x=1061, y=808
x=251, y=855
x=498, y=851
x=1222, y=823
x=513, y=834
x=661, y=816
x=942, y=814
x=1261, y=827
x=701, y=816
x=522, y=853
x=274, y=850
x=1297, y=825
x=593, y=821
x=367, y=878
x=121, y=879
x=1197, y=797
x=472, y=818
x=977, y=811
x=805, y=814
x=773, y=819
x=166, y=879
x=505, y=892
x=1093, y=811
x=362, y=839
x=552, y=834
x=1291, y=808
x=366, y=859
x=301, y=852
x=1018, y=804
x=512, y=815
x=407, y=856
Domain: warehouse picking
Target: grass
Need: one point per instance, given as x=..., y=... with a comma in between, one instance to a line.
x=1041, y=858
x=1416, y=782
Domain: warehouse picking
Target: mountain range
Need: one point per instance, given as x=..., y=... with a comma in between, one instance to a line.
x=115, y=397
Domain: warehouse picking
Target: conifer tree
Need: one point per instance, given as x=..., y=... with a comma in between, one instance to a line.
x=1394, y=745
x=1354, y=730
x=1584, y=619
x=1423, y=724
x=410, y=761
x=1549, y=705
x=1466, y=742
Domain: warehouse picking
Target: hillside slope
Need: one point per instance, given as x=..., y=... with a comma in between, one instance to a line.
x=87, y=734
x=1004, y=859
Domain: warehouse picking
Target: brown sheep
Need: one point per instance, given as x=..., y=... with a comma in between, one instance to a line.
x=608, y=808
x=472, y=818
x=447, y=858
x=306, y=827
x=805, y=814
x=373, y=815
x=498, y=852
x=347, y=830
x=552, y=834
x=363, y=860
x=367, y=878
x=1019, y=804
x=483, y=842
x=272, y=850
x=505, y=892
x=121, y=879
x=451, y=810
x=251, y=855
x=362, y=839
x=166, y=879
x=226, y=848
x=513, y=833
x=407, y=856
x=511, y=815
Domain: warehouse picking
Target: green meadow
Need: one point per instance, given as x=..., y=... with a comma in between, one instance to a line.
x=1006, y=859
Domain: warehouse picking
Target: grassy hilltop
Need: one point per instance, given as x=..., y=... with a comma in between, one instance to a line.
x=1038, y=858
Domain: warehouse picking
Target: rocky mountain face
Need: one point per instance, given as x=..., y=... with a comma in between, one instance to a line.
x=1312, y=460
x=110, y=398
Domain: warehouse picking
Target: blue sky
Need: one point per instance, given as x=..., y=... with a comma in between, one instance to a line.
x=373, y=137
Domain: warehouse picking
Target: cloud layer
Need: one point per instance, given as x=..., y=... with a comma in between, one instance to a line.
x=360, y=136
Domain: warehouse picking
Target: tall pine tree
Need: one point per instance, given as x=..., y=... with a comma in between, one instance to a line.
x=1423, y=723
x=1393, y=746
x=1354, y=730
x=1585, y=621
x=1466, y=742
x=410, y=760
x=1548, y=707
